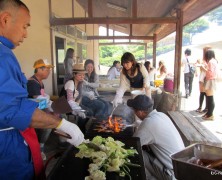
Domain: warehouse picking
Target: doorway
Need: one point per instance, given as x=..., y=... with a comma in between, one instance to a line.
x=60, y=55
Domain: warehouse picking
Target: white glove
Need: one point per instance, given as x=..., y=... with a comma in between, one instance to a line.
x=73, y=130
x=79, y=113
x=117, y=101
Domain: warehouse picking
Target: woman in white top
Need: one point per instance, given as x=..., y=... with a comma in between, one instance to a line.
x=133, y=76
x=73, y=93
x=114, y=71
x=151, y=72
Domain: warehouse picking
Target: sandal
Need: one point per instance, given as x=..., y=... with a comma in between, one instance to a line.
x=199, y=110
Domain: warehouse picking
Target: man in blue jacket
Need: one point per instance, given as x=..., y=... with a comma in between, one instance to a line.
x=19, y=148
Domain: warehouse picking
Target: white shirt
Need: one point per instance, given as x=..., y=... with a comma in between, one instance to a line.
x=125, y=83
x=113, y=73
x=186, y=65
x=158, y=131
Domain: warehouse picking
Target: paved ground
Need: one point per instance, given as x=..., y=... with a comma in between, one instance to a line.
x=191, y=104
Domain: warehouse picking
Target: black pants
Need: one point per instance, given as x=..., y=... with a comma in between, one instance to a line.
x=188, y=81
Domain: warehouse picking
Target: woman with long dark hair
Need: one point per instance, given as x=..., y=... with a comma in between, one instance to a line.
x=91, y=98
x=68, y=64
x=210, y=85
x=133, y=76
x=202, y=77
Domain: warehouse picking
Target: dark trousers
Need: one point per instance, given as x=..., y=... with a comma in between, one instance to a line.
x=188, y=81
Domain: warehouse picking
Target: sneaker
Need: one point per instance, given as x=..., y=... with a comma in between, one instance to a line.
x=43, y=156
x=208, y=117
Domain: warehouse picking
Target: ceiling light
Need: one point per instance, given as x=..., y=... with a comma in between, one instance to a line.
x=116, y=7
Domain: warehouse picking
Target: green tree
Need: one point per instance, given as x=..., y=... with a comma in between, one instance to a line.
x=215, y=15
x=195, y=27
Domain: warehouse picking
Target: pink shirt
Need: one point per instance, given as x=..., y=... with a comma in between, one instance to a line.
x=211, y=72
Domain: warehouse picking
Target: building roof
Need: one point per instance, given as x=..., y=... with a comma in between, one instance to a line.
x=147, y=17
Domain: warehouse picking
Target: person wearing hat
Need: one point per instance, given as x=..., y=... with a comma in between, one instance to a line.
x=158, y=136
x=73, y=93
x=36, y=90
x=19, y=146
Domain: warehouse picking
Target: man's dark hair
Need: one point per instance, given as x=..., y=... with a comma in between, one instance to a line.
x=187, y=52
x=4, y=4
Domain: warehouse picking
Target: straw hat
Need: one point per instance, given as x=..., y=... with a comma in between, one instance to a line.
x=79, y=68
x=42, y=63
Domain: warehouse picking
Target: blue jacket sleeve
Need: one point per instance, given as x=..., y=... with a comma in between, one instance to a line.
x=15, y=108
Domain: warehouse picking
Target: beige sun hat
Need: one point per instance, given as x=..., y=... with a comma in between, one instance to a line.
x=79, y=68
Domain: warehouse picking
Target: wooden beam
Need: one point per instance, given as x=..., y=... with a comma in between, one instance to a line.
x=131, y=30
x=120, y=37
x=90, y=9
x=73, y=12
x=54, y=21
x=178, y=49
x=134, y=8
x=121, y=43
x=154, y=50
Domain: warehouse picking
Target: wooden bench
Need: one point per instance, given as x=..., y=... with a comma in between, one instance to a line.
x=191, y=130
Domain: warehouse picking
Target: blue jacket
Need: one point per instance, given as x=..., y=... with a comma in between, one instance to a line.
x=15, y=111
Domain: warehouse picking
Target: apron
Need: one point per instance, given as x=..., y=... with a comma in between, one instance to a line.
x=31, y=139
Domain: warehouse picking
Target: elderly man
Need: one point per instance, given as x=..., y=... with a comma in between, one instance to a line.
x=158, y=137
x=19, y=147
x=36, y=89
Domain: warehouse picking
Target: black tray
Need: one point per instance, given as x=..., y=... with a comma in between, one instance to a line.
x=70, y=167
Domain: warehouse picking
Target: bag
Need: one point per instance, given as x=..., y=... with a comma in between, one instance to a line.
x=192, y=69
x=63, y=92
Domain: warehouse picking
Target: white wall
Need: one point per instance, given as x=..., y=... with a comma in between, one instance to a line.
x=38, y=43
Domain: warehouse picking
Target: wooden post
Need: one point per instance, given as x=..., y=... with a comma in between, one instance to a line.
x=145, y=46
x=178, y=50
x=154, y=50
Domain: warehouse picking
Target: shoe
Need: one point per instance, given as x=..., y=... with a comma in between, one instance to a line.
x=205, y=111
x=204, y=116
x=43, y=156
x=208, y=117
x=199, y=110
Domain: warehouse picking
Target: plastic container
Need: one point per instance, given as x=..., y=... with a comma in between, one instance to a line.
x=189, y=171
x=168, y=84
x=42, y=103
